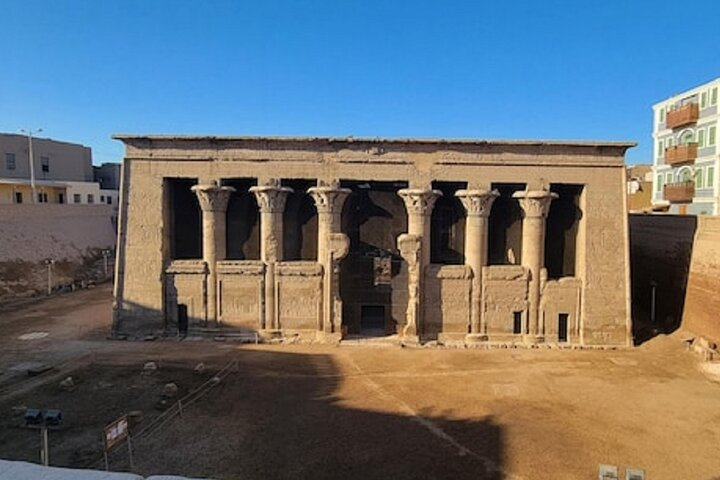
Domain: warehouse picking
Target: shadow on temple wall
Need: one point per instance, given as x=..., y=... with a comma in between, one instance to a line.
x=281, y=416
x=660, y=251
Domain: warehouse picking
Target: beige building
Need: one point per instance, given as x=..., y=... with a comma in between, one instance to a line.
x=454, y=240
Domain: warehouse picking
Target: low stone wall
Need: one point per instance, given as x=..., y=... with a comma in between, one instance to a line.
x=702, y=301
x=72, y=235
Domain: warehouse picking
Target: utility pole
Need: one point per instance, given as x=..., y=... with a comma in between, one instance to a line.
x=29, y=134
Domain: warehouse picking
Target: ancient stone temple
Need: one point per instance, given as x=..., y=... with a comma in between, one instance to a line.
x=328, y=238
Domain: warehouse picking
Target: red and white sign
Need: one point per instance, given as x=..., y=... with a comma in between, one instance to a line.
x=116, y=432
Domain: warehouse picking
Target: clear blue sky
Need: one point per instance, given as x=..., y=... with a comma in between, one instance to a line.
x=588, y=69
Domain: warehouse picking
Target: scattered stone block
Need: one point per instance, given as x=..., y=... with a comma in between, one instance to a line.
x=68, y=384
x=149, y=368
x=170, y=390
x=199, y=368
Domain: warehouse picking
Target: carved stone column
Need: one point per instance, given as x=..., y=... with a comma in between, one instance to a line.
x=332, y=247
x=271, y=201
x=477, y=204
x=338, y=247
x=410, y=247
x=419, y=204
x=213, y=202
x=535, y=205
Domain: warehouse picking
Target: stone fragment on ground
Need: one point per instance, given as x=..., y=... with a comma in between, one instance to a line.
x=170, y=390
x=149, y=368
x=67, y=384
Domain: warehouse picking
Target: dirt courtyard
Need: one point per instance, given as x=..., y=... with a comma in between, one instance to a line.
x=306, y=411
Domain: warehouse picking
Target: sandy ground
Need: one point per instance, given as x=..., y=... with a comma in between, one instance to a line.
x=298, y=411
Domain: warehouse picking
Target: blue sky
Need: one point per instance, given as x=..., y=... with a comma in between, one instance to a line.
x=83, y=70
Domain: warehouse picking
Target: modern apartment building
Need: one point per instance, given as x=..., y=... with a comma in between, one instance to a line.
x=63, y=173
x=685, y=160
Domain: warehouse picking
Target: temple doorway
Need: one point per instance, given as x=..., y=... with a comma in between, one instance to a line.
x=373, y=276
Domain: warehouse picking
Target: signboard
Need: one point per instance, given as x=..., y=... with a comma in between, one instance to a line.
x=382, y=270
x=116, y=432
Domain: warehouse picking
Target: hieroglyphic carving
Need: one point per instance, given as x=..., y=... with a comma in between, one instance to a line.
x=419, y=201
x=410, y=250
x=298, y=303
x=535, y=203
x=240, y=304
x=212, y=197
x=477, y=202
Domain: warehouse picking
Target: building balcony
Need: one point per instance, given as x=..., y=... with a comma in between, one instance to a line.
x=681, y=153
x=684, y=115
x=682, y=192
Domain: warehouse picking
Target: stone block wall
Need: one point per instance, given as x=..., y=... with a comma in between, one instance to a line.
x=702, y=302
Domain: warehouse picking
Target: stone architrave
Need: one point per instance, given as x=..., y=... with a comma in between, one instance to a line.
x=329, y=201
x=271, y=199
x=213, y=203
x=478, y=204
x=410, y=247
x=535, y=205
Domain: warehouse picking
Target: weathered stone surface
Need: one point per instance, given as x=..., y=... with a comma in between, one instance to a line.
x=269, y=294
x=702, y=302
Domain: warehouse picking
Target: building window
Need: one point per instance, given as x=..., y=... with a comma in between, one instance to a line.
x=661, y=150
x=687, y=137
x=701, y=137
x=102, y=198
x=45, y=164
x=662, y=115
x=10, y=161
x=659, y=183
x=669, y=142
x=711, y=135
x=76, y=198
x=709, y=177
x=61, y=198
x=703, y=100
x=713, y=96
x=18, y=197
x=668, y=177
x=91, y=198
x=42, y=197
x=109, y=200
x=699, y=178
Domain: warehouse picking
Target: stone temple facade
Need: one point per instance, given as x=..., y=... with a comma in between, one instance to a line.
x=331, y=238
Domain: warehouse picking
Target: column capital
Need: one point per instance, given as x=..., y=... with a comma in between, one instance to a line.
x=329, y=198
x=212, y=197
x=477, y=203
x=418, y=200
x=271, y=198
x=535, y=203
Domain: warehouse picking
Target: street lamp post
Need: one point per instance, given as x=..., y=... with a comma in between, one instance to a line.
x=29, y=134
